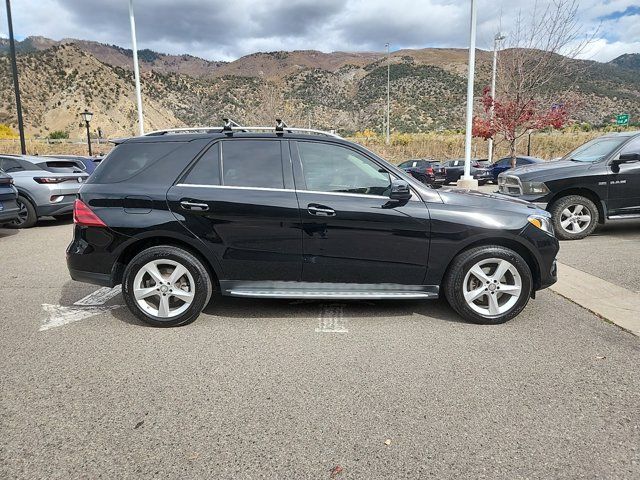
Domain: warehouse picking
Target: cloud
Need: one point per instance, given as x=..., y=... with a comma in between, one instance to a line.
x=227, y=29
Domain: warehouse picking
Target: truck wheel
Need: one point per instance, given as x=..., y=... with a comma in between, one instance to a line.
x=574, y=217
x=166, y=286
x=488, y=284
x=27, y=216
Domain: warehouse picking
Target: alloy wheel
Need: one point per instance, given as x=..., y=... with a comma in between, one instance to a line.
x=163, y=288
x=575, y=218
x=492, y=287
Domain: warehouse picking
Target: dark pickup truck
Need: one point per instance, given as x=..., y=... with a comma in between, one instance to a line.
x=597, y=182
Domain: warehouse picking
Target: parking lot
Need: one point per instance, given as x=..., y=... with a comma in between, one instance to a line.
x=291, y=389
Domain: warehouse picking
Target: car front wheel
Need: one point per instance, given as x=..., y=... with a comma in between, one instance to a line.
x=488, y=284
x=574, y=217
x=166, y=286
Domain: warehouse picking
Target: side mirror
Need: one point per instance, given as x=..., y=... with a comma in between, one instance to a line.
x=628, y=158
x=400, y=190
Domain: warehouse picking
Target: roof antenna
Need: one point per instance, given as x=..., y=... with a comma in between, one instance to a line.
x=280, y=126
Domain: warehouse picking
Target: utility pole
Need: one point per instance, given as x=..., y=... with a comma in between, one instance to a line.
x=497, y=39
x=467, y=181
x=16, y=86
x=136, y=70
x=388, y=91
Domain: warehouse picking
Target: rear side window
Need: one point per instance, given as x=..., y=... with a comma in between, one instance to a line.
x=129, y=159
x=252, y=163
x=10, y=165
x=206, y=171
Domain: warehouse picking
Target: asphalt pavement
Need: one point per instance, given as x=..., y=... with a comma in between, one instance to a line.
x=291, y=389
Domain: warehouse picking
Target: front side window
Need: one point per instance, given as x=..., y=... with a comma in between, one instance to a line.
x=252, y=163
x=332, y=168
x=632, y=147
x=595, y=150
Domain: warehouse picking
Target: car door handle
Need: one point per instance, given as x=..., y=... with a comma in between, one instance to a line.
x=320, y=210
x=200, y=207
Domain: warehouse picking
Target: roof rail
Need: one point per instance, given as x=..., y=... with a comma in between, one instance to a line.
x=230, y=126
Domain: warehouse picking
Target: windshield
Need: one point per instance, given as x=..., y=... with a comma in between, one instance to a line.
x=596, y=150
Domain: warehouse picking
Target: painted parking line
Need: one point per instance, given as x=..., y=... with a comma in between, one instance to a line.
x=331, y=319
x=86, y=307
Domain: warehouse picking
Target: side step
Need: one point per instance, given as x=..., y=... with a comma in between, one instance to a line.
x=328, y=291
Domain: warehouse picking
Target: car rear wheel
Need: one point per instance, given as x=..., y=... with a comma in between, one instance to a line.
x=574, y=217
x=166, y=286
x=27, y=216
x=488, y=284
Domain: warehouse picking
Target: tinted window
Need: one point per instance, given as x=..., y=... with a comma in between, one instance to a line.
x=596, y=150
x=408, y=164
x=129, y=159
x=252, y=163
x=331, y=168
x=10, y=165
x=505, y=162
x=632, y=147
x=523, y=161
x=207, y=170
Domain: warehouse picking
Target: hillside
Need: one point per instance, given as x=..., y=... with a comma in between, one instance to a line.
x=343, y=90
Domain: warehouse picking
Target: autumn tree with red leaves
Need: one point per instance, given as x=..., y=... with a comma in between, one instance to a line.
x=512, y=119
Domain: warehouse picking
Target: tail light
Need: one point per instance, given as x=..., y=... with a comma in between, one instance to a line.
x=53, y=179
x=84, y=216
x=428, y=170
x=476, y=165
x=6, y=181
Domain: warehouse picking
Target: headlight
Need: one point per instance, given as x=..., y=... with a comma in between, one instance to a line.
x=543, y=223
x=529, y=188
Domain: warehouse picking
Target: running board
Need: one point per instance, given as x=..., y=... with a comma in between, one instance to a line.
x=624, y=216
x=328, y=291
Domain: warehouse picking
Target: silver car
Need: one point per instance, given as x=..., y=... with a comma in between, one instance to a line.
x=43, y=189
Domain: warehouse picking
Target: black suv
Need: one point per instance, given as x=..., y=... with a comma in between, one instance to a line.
x=598, y=181
x=175, y=215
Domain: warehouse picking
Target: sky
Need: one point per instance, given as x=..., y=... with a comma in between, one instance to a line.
x=229, y=29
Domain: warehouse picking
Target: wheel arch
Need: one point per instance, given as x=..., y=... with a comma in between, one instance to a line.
x=137, y=246
x=511, y=244
x=583, y=192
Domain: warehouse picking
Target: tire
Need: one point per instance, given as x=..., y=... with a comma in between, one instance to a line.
x=482, y=182
x=460, y=280
x=574, y=217
x=423, y=179
x=178, y=310
x=27, y=214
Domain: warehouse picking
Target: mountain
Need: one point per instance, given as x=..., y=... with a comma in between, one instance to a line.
x=343, y=90
x=628, y=60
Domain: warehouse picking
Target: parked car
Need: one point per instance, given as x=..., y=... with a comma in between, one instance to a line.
x=8, y=199
x=597, y=182
x=422, y=169
x=43, y=190
x=296, y=215
x=504, y=164
x=87, y=164
x=451, y=170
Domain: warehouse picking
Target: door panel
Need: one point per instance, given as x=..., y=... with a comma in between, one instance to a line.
x=624, y=184
x=352, y=233
x=253, y=232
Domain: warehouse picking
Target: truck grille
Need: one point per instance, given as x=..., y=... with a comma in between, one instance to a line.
x=509, y=185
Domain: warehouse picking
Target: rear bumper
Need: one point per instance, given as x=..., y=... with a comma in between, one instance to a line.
x=94, y=278
x=9, y=210
x=55, y=209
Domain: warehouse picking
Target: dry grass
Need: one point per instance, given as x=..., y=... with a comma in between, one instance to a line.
x=443, y=146
x=50, y=147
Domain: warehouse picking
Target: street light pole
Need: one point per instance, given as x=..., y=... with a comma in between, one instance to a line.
x=498, y=37
x=136, y=70
x=467, y=181
x=388, y=91
x=86, y=116
x=16, y=86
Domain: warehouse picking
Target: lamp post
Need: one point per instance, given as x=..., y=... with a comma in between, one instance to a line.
x=87, y=116
x=388, y=90
x=16, y=86
x=467, y=181
x=136, y=69
x=496, y=40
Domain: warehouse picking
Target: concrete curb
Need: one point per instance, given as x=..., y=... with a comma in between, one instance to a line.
x=607, y=300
